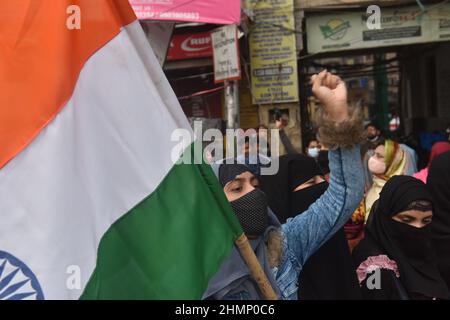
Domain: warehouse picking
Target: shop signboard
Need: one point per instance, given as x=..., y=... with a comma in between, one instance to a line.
x=399, y=26
x=190, y=46
x=207, y=11
x=226, y=54
x=273, y=53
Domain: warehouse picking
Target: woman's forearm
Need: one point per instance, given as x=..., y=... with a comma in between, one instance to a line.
x=341, y=130
x=286, y=142
x=306, y=232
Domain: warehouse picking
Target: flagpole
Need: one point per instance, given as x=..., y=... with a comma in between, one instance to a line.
x=256, y=270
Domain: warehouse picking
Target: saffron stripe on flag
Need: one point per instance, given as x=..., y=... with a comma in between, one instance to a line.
x=41, y=59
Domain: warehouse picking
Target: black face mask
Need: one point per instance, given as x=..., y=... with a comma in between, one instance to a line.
x=302, y=199
x=414, y=243
x=372, y=138
x=251, y=210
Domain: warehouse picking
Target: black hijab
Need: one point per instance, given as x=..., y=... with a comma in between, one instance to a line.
x=322, y=161
x=410, y=247
x=439, y=184
x=294, y=170
x=329, y=274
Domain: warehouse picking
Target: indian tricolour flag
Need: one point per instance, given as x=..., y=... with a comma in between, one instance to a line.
x=91, y=202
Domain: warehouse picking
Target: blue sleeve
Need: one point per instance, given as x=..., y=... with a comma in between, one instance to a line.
x=305, y=233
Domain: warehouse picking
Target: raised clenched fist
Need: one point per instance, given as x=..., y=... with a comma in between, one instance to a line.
x=332, y=93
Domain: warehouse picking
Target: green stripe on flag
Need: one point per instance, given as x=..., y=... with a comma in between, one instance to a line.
x=169, y=245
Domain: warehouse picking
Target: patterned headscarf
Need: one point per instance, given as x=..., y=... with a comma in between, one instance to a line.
x=396, y=164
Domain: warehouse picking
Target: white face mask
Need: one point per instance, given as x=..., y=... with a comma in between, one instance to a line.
x=313, y=152
x=376, y=166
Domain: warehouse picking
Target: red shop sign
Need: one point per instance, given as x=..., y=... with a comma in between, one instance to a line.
x=189, y=46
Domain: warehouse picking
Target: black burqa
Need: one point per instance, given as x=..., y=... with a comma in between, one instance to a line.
x=410, y=247
x=329, y=274
x=439, y=185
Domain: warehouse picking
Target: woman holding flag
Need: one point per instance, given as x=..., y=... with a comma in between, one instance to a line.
x=283, y=249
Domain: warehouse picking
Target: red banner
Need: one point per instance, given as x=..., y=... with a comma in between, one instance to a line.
x=189, y=46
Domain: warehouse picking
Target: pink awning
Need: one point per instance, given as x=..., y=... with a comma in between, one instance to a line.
x=209, y=11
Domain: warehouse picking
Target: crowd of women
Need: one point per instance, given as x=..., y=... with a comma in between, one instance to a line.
x=370, y=228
